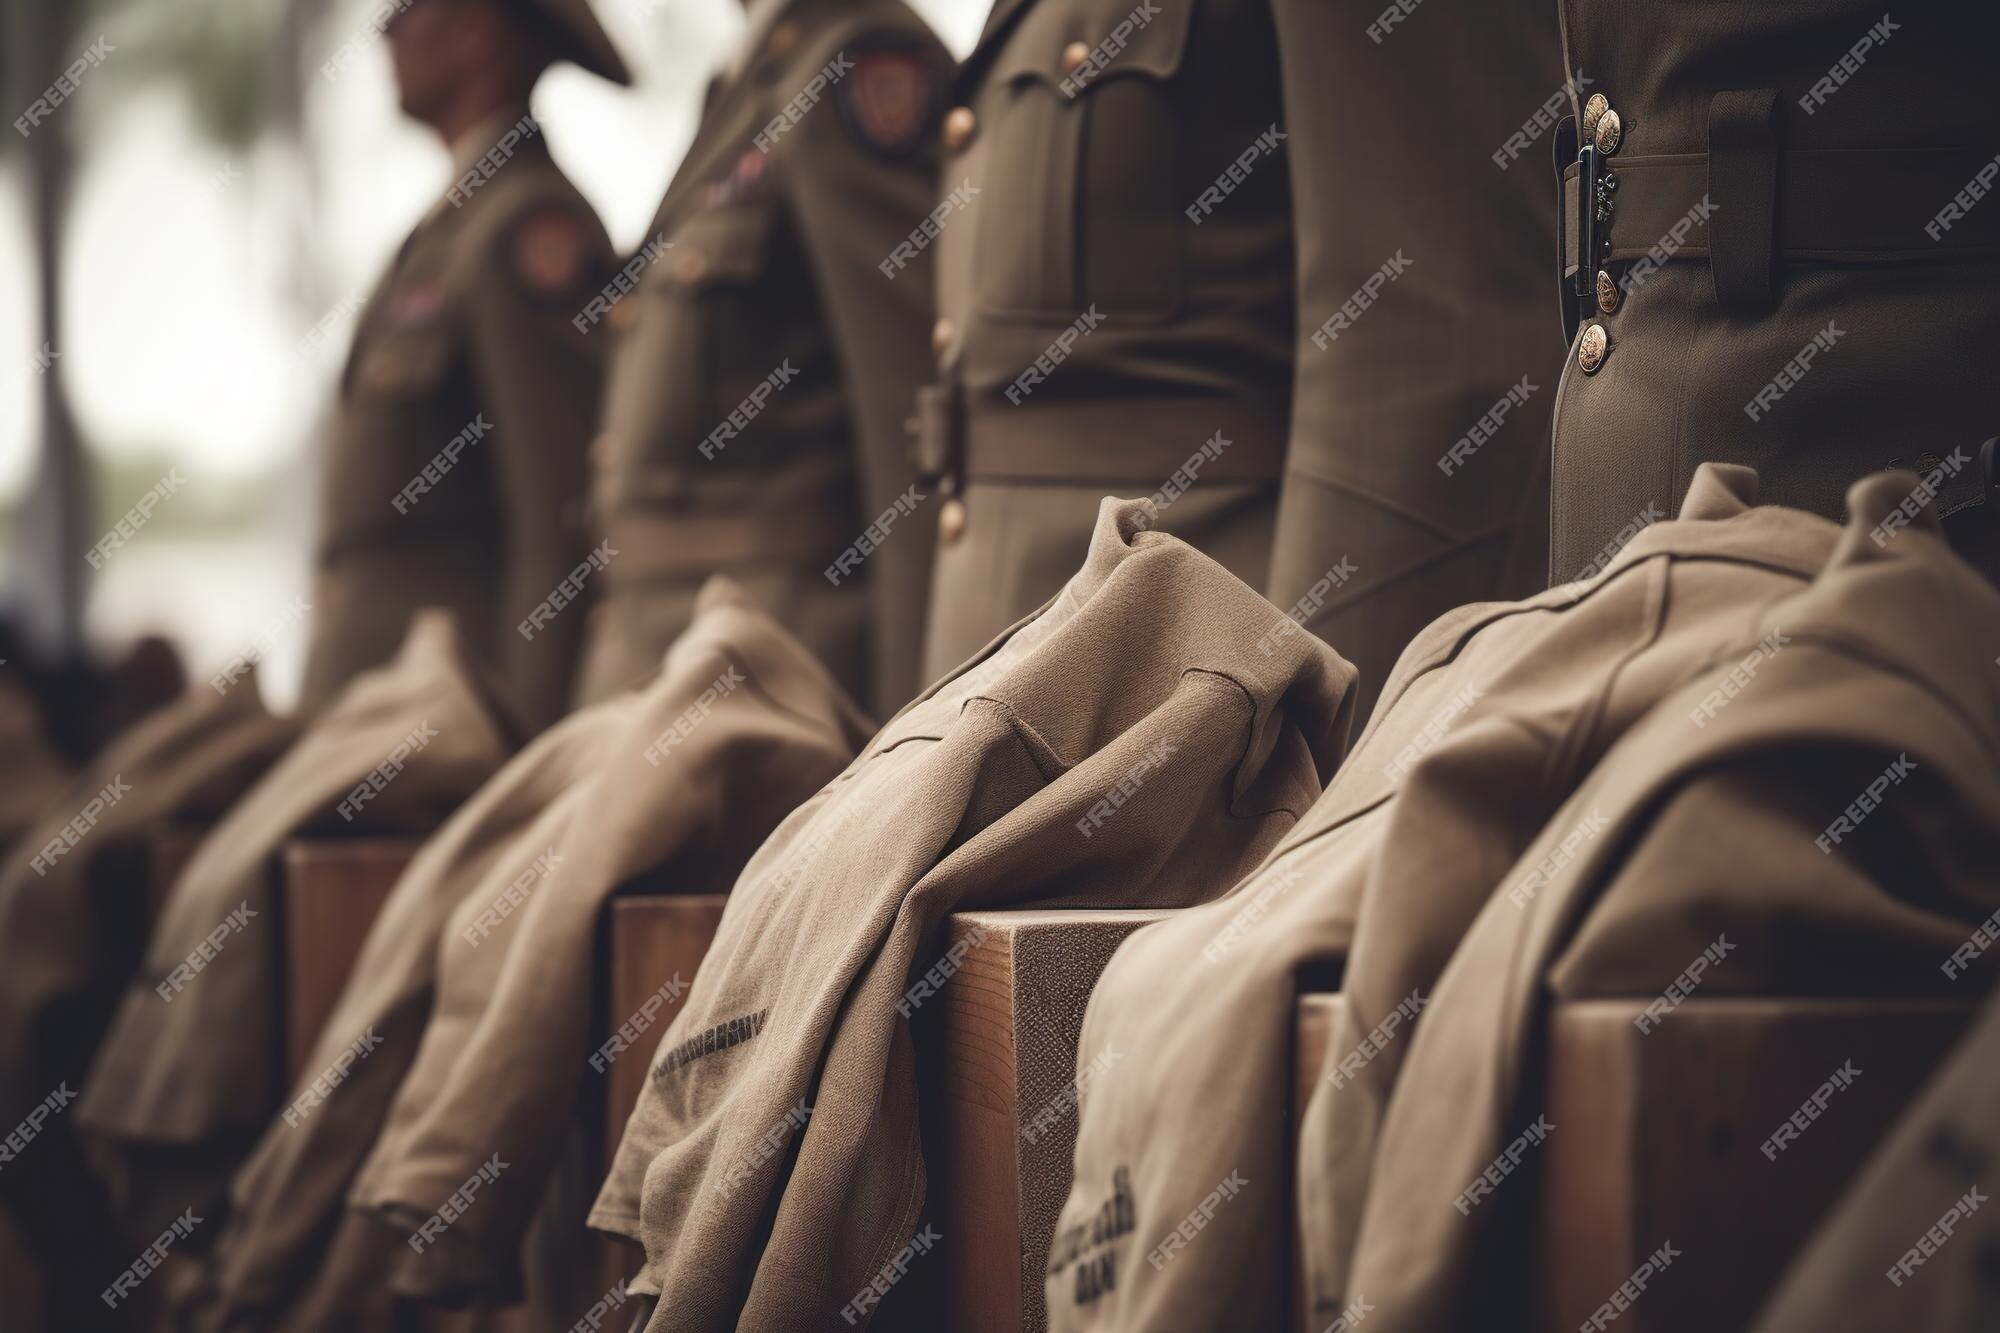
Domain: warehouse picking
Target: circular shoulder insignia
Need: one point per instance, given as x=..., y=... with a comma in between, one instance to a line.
x=550, y=250
x=889, y=97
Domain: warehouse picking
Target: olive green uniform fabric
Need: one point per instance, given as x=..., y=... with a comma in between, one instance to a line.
x=70, y=939
x=288, y=1256
x=182, y=1085
x=1152, y=198
x=467, y=342
x=771, y=288
x=1126, y=746
x=1890, y=318
x=1442, y=867
x=1866, y=1268
x=1079, y=218
x=1424, y=148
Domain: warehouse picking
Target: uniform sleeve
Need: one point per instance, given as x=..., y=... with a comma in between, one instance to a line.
x=1426, y=314
x=538, y=379
x=859, y=176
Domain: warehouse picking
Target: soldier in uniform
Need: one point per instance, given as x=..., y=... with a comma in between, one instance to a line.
x=1776, y=254
x=1239, y=248
x=455, y=456
x=755, y=423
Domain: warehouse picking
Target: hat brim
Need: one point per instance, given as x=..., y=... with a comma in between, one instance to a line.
x=584, y=40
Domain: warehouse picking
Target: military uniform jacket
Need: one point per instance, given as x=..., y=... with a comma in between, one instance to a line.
x=1168, y=287
x=70, y=931
x=187, y=1075
x=273, y=1266
x=454, y=461
x=1126, y=746
x=1443, y=867
x=1800, y=273
x=756, y=417
x=740, y=727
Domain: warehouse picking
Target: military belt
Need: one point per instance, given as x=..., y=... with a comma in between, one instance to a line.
x=693, y=545
x=1747, y=203
x=1108, y=439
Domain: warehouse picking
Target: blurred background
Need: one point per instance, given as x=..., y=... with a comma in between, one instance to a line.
x=211, y=193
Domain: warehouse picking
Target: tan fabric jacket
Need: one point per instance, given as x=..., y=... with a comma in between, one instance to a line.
x=1912, y=1243
x=1128, y=745
x=1491, y=721
x=740, y=728
x=188, y=1072
x=1743, y=826
x=70, y=933
x=273, y=1266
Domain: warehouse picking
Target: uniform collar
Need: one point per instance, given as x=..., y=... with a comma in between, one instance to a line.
x=761, y=17
x=478, y=141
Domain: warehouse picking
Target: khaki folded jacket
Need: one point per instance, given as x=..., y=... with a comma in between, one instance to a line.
x=1143, y=740
x=189, y=1071
x=1572, y=796
x=474, y=993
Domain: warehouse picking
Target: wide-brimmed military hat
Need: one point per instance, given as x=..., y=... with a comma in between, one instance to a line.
x=581, y=37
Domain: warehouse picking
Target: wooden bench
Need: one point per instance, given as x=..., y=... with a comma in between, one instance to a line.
x=332, y=890
x=649, y=939
x=1663, y=1135
x=998, y=1047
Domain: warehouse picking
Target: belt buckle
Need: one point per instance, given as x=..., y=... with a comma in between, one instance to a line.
x=1589, y=168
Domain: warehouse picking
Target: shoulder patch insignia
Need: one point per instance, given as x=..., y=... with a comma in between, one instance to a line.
x=550, y=251
x=889, y=98
x=740, y=181
x=416, y=304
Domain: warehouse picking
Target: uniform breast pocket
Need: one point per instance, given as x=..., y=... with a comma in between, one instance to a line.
x=701, y=307
x=403, y=365
x=1081, y=126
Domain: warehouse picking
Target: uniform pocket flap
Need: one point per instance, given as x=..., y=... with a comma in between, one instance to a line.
x=722, y=244
x=1077, y=48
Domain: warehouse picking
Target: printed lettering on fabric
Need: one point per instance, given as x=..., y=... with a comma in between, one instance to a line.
x=718, y=1038
x=1087, y=1243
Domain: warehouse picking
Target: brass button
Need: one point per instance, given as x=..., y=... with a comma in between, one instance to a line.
x=1609, y=134
x=1592, y=348
x=1607, y=292
x=690, y=265
x=1593, y=111
x=1073, y=55
x=959, y=123
x=783, y=37
x=624, y=316
x=941, y=335
x=603, y=450
x=951, y=521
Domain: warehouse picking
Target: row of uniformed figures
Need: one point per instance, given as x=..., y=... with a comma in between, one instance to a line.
x=1297, y=259
x=1281, y=268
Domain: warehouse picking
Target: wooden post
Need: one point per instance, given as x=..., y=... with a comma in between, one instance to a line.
x=1667, y=1136
x=167, y=854
x=1313, y=1022
x=1000, y=1045
x=651, y=939
x=333, y=887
